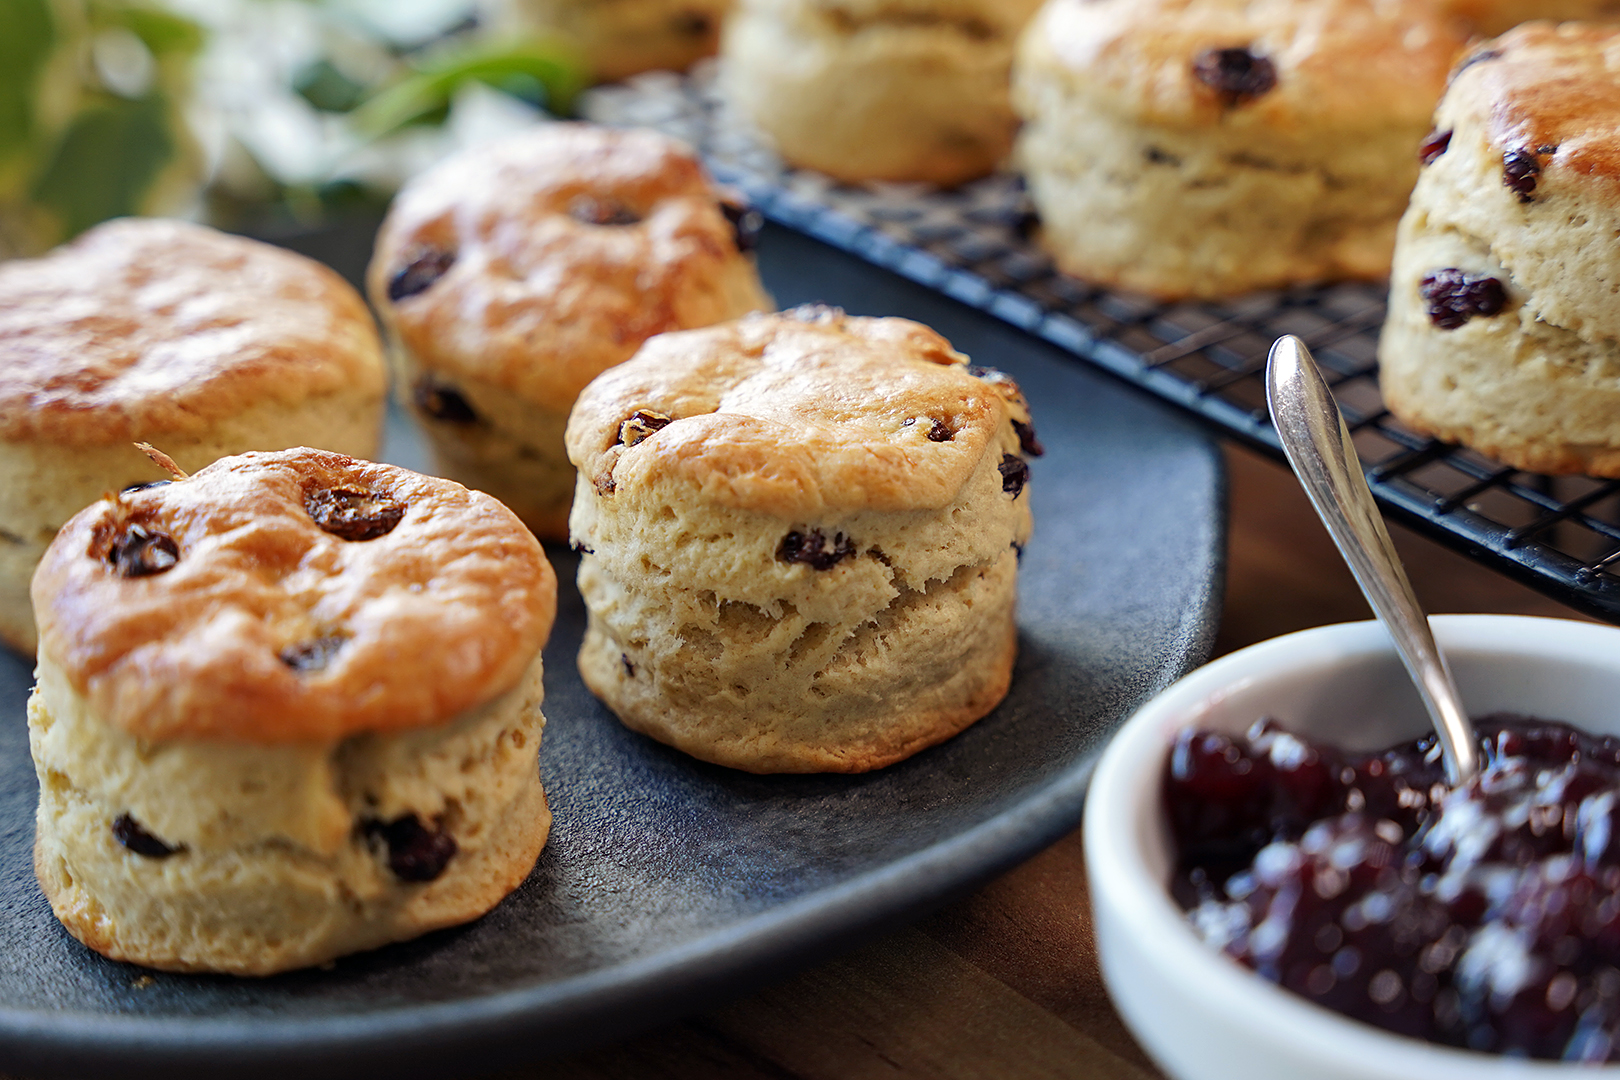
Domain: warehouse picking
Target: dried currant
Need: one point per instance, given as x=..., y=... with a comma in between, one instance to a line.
x=1520, y=170
x=1027, y=440
x=312, y=655
x=643, y=424
x=812, y=549
x=442, y=402
x=1014, y=474
x=746, y=223
x=940, y=431
x=995, y=377
x=629, y=668
x=1236, y=75
x=692, y=24
x=128, y=832
x=1436, y=144
x=1454, y=297
x=593, y=211
x=353, y=515
x=415, y=852
x=146, y=485
x=141, y=552
x=420, y=273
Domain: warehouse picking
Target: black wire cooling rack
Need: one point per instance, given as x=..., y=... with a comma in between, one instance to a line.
x=1560, y=535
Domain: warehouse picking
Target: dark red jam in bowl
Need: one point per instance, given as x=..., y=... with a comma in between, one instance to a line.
x=1487, y=917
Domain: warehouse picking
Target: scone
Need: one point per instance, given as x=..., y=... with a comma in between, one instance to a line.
x=174, y=334
x=619, y=38
x=1206, y=148
x=1496, y=16
x=512, y=275
x=1503, y=331
x=878, y=89
x=287, y=709
x=799, y=539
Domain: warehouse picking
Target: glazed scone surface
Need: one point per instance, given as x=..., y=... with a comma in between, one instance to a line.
x=287, y=708
x=800, y=538
x=511, y=276
x=145, y=328
x=451, y=590
x=1284, y=133
x=878, y=89
x=1517, y=211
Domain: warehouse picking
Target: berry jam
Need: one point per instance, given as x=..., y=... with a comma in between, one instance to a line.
x=1486, y=917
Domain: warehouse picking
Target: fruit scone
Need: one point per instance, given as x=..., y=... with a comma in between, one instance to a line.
x=799, y=539
x=512, y=275
x=1503, y=331
x=287, y=708
x=617, y=38
x=174, y=334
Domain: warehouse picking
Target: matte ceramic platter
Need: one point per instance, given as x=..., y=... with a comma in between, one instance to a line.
x=668, y=883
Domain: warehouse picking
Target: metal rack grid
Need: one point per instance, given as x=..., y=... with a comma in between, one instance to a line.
x=1561, y=535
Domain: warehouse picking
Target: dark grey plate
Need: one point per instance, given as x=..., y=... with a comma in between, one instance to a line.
x=668, y=882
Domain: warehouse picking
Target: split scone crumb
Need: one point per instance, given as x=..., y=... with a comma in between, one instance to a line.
x=287, y=708
x=799, y=539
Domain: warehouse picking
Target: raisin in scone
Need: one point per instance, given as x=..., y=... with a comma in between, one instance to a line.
x=1206, y=148
x=287, y=708
x=799, y=539
x=878, y=89
x=1503, y=331
x=174, y=334
x=619, y=38
x=512, y=275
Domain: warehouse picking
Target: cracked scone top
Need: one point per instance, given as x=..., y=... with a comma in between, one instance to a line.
x=1284, y=131
x=248, y=602
x=1502, y=325
x=799, y=537
x=287, y=708
x=512, y=275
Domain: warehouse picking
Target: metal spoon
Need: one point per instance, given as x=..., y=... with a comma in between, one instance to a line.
x=1319, y=448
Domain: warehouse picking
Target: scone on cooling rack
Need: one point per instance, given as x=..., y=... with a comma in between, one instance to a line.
x=1497, y=16
x=619, y=38
x=287, y=709
x=800, y=538
x=1503, y=327
x=878, y=89
x=512, y=275
x=174, y=334
x=1206, y=148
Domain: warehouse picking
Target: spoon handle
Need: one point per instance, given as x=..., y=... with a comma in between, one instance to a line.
x=1318, y=447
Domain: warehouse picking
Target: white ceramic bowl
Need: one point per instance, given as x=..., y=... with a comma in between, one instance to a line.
x=1203, y=1016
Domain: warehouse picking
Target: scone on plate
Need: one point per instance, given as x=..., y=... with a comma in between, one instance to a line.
x=878, y=89
x=1206, y=148
x=799, y=539
x=619, y=38
x=174, y=334
x=510, y=276
x=287, y=709
x=1503, y=330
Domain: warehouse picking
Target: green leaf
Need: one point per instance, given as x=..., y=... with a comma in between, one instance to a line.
x=106, y=162
x=527, y=65
x=27, y=35
x=160, y=31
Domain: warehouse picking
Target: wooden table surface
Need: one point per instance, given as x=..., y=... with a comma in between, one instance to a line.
x=1004, y=983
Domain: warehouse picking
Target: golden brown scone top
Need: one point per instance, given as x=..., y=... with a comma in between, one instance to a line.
x=540, y=260
x=979, y=19
x=1546, y=95
x=299, y=596
x=795, y=414
x=1495, y=16
x=143, y=328
x=1272, y=64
